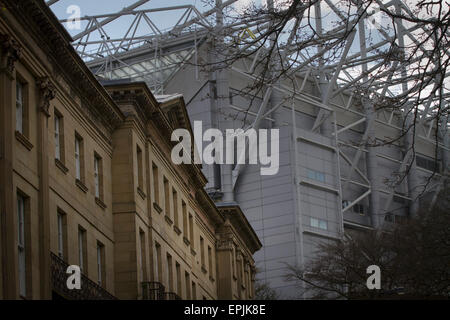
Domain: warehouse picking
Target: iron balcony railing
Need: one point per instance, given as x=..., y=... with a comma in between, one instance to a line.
x=171, y=296
x=89, y=289
x=152, y=291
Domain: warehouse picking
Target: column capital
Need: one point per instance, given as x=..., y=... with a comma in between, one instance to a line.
x=48, y=93
x=10, y=52
x=225, y=242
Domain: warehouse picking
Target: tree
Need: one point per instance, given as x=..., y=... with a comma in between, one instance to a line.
x=414, y=259
x=391, y=57
x=263, y=291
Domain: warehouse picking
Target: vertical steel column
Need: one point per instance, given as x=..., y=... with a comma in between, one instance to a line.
x=412, y=178
x=276, y=96
x=371, y=156
x=445, y=153
x=326, y=127
x=223, y=92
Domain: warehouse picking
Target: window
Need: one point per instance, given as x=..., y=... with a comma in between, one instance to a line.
x=100, y=264
x=250, y=286
x=21, y=107
x=142, y=256
x=59, y=142
x=358, y=208
x=345, y=204
x=62, y=232
x=166, y=197
x=187, y=281
x=175, y=207
x=140, y=168
x=98, y=176
x=210, y=262
x=82, y=254
x=315, y=175
x=202, y=251
x=239, y=276
x=191, y=230
x=246, y=281
x=158, y=262
x=320, y=224
x=185, y=219
x=79, y=158
x=178, y=272
x=155, y=182
x=194, y=290
x=169, y=272
x=233, y=262
x=428, y=163
x=21, y=244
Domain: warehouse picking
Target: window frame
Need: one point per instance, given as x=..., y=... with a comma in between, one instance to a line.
x=21, y=245
x=61, y=233
x=82, y=248
x=78, y=157
x=22, y=120
x=101, y=275
x=58, y=126
x=98, y=177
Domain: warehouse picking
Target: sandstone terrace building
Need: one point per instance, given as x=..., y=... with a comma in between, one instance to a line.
x=86, y=179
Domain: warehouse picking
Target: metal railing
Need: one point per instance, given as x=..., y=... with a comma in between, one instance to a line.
x=153, y=291
x=171, y=296
x=89, y=289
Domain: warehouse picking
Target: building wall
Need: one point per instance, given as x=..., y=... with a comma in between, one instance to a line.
x=295, y=210
x=126, y=219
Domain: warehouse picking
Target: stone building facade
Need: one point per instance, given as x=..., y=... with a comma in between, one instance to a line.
x=86, y=179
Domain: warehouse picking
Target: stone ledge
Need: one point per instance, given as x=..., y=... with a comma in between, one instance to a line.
x=157, y=207
x=24, y=140
x=100, y=203
x=141, y=193
x=61, y=166
x=81, y=185
x=177, y=230
x=168, y=220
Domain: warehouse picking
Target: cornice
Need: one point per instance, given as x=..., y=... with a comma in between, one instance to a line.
x=10, y=52
x=52, y=38
x=239, y=222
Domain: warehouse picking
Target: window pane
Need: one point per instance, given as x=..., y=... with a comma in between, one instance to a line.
x=77, y=159
x=57, y=146
x=320, y=177
x=99, y=264
x=19, y=107
x=21, y=244
x=60, y=236
x=96, y=177
x=323, y=225
x=20, y=222
x=81, y=249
